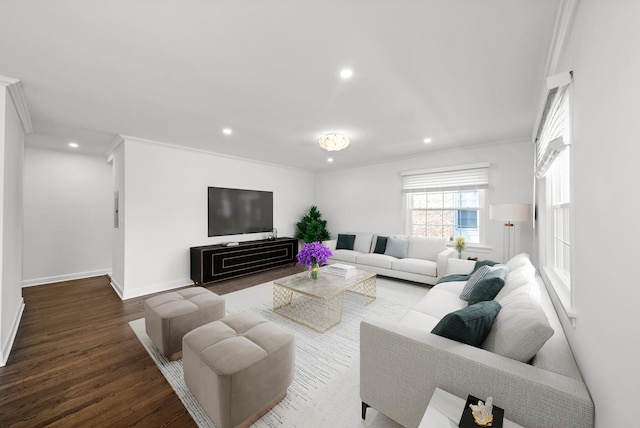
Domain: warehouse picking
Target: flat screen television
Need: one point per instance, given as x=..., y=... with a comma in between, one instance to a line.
x=238, y=211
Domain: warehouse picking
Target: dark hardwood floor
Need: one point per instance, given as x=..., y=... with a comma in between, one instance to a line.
x=76, y=361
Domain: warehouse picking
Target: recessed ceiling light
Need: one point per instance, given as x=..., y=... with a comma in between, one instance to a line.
x=427, y=140
x=329, y=160
x=346, y=73
x=227, y=131
x=73, y=145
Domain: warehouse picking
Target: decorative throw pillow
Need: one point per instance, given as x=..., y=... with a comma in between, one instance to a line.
x=381, y=245
x=473, y=280
x=469, y=325
x=397, y=247
x=488, y=287
x=521, y=328
x=345, y=242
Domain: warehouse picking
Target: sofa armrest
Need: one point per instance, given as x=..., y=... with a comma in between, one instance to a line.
x=401, y=366
x=331, y=244
x=460, y=266
x=443, y=256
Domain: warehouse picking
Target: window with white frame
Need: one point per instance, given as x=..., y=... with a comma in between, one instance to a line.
x=447, y=202
x=553, y=163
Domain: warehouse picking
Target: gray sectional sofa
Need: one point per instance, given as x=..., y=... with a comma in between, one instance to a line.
x=414, y=258
x=532, y=376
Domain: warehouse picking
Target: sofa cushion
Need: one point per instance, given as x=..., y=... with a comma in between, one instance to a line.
x=397, y=247
x=363, y=242
x=345, y=255
x=373, y=259
x=521, y=327
x=518, y=260
x=513, y=281
x=439, y=303
x=488, y=287
x=469, y=325
x=345, y=242
x=473, y=280
x=421, y=267
x=381, y=245
x=421, y=247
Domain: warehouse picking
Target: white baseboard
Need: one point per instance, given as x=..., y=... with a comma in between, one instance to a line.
x=6, y=347
x=155, y=288
x=67, y=277
x=117, y=288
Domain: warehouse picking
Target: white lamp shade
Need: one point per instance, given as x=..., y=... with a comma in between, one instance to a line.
x=510, y=212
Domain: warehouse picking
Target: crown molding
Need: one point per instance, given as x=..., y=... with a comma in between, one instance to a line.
x=121, y=138
x=16, y=90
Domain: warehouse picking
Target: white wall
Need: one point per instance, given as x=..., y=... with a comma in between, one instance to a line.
x=67, y=216
x=370, y=199
x=603, y=53
x=165, y=208
x=11, y=225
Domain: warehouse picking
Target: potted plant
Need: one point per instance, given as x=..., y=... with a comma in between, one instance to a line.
x=312, y=228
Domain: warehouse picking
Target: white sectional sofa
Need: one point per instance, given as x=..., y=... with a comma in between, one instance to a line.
x=532, y=376
x=423, y=260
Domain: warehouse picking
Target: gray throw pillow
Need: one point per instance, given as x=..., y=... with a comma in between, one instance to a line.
x=473, y=280
x=521, y=327
x=397, y=247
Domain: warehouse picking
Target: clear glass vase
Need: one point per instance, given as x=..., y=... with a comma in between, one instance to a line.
x=314, y=270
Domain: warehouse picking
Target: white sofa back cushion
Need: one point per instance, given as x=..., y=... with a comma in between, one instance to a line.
x=363, y=242
x=424, y=248
x=521, y=327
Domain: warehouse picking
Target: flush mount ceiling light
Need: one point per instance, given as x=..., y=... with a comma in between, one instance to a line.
x=334, y=142
x=73, y=145
x=427, y=140
x=227, y=131
x=346, y=73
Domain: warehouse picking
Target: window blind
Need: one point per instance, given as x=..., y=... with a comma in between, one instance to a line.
x=551, y=139
x=464, y=177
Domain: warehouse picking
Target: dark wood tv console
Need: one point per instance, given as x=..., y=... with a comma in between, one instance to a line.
x=213, y=263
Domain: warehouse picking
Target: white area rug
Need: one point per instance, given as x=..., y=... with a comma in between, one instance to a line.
x=326, y=390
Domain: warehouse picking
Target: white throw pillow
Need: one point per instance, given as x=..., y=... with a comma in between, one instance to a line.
x=473, y=281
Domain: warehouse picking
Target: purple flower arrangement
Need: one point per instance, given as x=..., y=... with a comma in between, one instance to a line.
x=314, y=253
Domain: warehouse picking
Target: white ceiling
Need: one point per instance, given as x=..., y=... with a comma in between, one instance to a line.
x=459, y=71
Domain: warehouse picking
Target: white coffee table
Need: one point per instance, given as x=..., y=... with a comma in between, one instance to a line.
x=445, y=410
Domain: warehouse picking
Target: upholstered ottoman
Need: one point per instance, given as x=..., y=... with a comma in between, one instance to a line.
x=170, y=315
x=238, y=368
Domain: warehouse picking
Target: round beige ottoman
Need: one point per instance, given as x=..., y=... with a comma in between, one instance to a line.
x=169, y=316
x=238, y=368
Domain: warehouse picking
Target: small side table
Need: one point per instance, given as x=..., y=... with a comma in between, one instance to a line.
x=445, y=410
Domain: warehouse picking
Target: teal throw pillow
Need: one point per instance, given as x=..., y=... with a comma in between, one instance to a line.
x=397, y=247
x=345, y=242
x=470, y=325
x=473, y=280
x=381, y=245
x=488, y=287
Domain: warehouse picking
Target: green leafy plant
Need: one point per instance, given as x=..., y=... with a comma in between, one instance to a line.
x=312, y=228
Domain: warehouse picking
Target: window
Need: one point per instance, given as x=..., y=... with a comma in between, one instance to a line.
x=445, y=203
x=553, y=164
x=559, y=243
